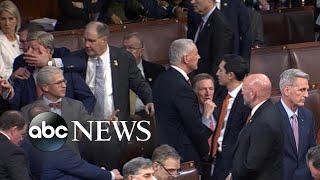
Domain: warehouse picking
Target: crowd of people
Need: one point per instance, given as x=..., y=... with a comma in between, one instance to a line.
x=206, y=107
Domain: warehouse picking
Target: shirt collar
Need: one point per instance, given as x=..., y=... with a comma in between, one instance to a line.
x=206, y=16
x=140, y=65
x=289, y=112
x=255, y=108
x=103, y=55
x=1, y=132
x=48, y=101
x=235, y=92
x=184, y=74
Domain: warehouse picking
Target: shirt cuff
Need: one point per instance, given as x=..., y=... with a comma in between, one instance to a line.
x=113, y=176
x=58, y=62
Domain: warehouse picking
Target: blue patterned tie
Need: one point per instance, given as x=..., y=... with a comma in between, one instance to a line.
x=99, y=91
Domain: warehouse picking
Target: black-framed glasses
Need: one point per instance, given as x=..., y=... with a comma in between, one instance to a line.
x=63, y=81
x=171, y=172
x=129, y=48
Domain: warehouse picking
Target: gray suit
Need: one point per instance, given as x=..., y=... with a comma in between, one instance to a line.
x=71, y=110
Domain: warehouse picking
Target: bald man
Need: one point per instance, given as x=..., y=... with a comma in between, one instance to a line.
x=258, y=152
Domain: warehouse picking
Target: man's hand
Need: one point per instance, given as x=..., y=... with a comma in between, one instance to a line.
x=208, y=108
x=21, y=73
x=77, y=4
x=115, y=19
x=229, y=177
x=5, y=87
x=117, y=174
x=37, y=60
x=149, y=108
x=113, y=116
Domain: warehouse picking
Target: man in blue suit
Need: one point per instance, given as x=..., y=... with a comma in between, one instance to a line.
x=298, y=124
x=41, y=44
x=178, y=118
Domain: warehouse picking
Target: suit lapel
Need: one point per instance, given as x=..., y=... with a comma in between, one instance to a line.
x=115, y=73
x=232, y=111
x=302, y=132
x=207, y=26
x=287, y=126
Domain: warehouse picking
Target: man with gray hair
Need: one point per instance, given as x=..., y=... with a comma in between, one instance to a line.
x=138, y=168
x=298, y=123
x=313, y=161
x=41, y=44
x=178, y=118
x=166, y=162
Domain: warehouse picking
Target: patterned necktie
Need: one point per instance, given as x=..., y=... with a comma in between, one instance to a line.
x=56, y=105
x=295, y=129
x=98, y=112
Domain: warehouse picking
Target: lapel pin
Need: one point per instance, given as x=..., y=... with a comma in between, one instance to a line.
x=225, y=4
x=149, y=79
x=115, y=63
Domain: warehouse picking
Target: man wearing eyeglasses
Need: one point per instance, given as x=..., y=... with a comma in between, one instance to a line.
x=166, y=162
x=133, y=43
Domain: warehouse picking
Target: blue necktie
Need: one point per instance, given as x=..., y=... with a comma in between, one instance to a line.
x=99, y=91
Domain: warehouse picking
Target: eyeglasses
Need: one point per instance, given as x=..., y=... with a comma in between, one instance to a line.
x=171, y=172
x=131, y=48
x=63, y=81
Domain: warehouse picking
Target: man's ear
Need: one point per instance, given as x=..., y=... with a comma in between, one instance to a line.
x=286, y=90
x=44, y=88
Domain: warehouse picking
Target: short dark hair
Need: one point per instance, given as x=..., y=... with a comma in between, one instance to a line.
x=163, y=152
x=133, y=166
x=11, y=119
x=134, y=35
x=200, y=77
x=237, y=65
x=313, y=155
x=31, y=27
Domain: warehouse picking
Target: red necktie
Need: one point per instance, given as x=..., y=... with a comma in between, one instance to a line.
x=55, y=105
x=220, y=124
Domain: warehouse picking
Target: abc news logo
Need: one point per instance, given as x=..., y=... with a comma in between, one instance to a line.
x=48, y=131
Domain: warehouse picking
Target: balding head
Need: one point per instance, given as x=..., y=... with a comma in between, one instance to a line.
x=256, y=88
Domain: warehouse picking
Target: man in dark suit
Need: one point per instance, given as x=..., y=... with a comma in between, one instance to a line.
x=231, y=114
x=38, y=55
x=212, y=34
x=178, y=116
x=133, y=43
x=109, y=72
x=258, y=151
x=13, y=162
x=313, y=161
x=298, y=123
x=237, y=15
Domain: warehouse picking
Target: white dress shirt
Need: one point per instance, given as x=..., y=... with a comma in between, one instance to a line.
x=184, y=74
x=233, y=94
x=90, y=80
x=1, y=132
x=8, y=52
x=289, y=112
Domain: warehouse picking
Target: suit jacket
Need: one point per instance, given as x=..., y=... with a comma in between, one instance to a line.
x=65, y=164
x=13, y=162
x=215, y=40
x=238, y=17
x=25, y=90
x=74, y=18
x=178, y=119
x=236, y=120
x=259, y=149
x=125, y=76
x=151, y=71
x=295, y=166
